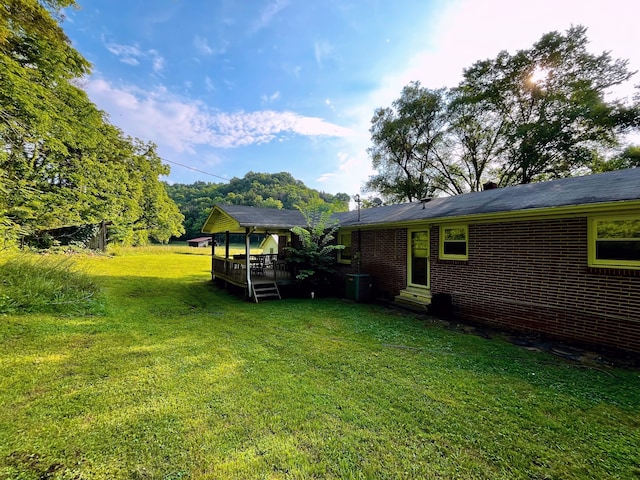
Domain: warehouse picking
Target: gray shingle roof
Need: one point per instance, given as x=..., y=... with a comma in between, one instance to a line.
x=617, y=186
x=614, y=186
x=264, y=217
x=237, y=218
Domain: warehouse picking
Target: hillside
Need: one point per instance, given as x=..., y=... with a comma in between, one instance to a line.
x=269, y=190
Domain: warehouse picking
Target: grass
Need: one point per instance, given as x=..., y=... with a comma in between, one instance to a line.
x=178, y=379
x=45, y=284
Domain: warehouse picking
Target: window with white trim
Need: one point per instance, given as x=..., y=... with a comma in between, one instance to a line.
x=614, y=241
x=454, y=242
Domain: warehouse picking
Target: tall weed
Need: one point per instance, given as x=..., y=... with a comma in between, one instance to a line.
x=46, y=284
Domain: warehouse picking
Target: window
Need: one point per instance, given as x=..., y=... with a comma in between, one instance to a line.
x=453, y=242
x=344, y=255
x=614, y=242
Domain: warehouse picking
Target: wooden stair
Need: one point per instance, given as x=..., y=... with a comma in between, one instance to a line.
x=265, y=290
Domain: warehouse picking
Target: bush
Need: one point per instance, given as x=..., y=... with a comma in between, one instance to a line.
x=46, y=284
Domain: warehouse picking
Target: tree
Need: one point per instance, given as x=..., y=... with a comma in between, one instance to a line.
x=62, y=162
x=315, y=255
x=476, y=138
x=538, y=114
x=408, y=142
x=628, y=158
x=549, y=103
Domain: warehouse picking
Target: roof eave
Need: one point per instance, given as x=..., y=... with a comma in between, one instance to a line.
x=619, y=206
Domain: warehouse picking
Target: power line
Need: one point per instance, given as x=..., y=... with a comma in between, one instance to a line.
x=196, y=170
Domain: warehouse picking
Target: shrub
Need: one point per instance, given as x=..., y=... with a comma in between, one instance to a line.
x=316, y=254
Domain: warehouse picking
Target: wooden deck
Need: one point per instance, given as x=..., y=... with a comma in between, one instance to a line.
x=262, y=270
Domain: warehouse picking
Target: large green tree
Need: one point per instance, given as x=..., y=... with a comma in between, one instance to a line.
x=552, y=101
x=408, y=142
x=538, y=114
x=62, y=162
x=475, y=141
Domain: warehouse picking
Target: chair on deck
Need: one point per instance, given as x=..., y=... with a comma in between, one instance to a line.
x=237, y=264
x=257, y=264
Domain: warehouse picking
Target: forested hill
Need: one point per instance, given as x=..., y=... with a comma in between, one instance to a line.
x=269, y=190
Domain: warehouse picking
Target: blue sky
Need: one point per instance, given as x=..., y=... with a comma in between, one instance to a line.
x=231, y=86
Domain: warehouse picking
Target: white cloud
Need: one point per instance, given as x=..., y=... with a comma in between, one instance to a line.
x=322, y=51
x=183, y=125
x=158, y=61
x=268, y=13
x=124, y=51
x=202, y=46
x=209, y=85
x=133, y=55
x=270, y=98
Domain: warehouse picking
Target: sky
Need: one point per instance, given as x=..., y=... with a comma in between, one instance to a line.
x=225, y=87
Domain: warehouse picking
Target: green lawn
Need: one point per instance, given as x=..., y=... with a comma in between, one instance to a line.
x=178, y=379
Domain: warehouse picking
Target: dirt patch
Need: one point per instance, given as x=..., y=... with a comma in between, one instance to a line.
x=537, y=342
x=33, y=463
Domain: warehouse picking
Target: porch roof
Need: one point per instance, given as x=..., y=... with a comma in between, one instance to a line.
x=237, y=218
x=590, y=190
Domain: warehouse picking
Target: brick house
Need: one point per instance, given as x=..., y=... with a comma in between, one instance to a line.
x=561, y=258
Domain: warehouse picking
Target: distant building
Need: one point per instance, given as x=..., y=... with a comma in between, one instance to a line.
x=270, y=244
x=200, y=242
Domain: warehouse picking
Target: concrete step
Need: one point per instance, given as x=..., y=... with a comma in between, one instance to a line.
x=413, y=299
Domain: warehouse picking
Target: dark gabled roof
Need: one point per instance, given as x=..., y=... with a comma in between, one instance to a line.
x=616, y=186
x=237, y=218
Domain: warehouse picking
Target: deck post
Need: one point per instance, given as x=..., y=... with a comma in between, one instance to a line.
x=247, y=243
x=226, y=252
x=213, y=254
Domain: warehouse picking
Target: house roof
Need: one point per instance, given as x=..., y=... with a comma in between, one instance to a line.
x=237, y=218
x=545, y=198
x=273, y=238
x=200, y=239
x=616, y=186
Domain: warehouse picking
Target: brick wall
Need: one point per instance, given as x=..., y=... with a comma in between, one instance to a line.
x=533, y=276
x=384, y=257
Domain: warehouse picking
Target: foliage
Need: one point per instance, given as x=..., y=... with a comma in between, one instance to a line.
x=40, y=284
x=314, y=255
x=407, y=142
x=539, y=114
x=551, y=100
x=628, y=158
x=276, y=190
x=63, y=164
x=182, y=380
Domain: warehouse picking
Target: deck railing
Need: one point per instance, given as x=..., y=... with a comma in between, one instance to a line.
x=261, y=268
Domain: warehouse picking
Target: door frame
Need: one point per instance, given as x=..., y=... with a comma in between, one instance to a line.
x=410, y=233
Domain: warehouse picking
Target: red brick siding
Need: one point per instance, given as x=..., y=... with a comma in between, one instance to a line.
x=384, y=257
x=533, y=276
